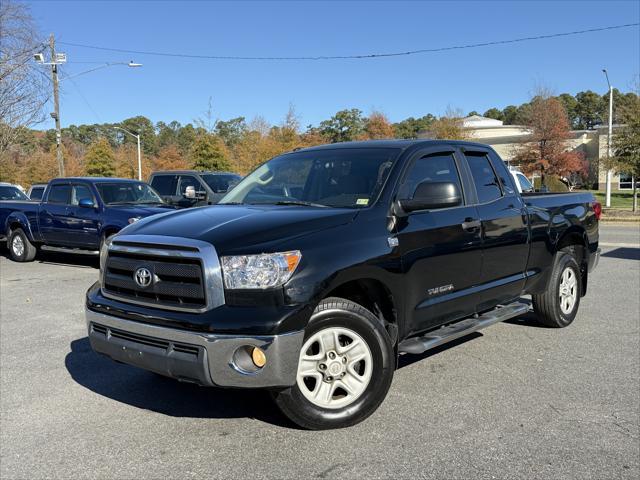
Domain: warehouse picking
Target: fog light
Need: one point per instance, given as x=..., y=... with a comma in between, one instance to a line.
x=258, y=357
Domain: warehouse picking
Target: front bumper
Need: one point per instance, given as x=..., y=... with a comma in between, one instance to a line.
x=203, y=358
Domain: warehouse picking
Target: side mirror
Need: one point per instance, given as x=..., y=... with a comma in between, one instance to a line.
x=190, y=192
x=86, y=203
x=432, y=195
x=201, y=195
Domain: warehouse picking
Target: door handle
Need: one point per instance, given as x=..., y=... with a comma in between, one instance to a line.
x=470, y=224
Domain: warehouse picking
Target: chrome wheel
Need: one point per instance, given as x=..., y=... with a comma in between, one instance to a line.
x=568, y=291
x=334, y=368
x=17, y=245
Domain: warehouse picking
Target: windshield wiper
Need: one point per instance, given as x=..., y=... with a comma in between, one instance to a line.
x=301, y=203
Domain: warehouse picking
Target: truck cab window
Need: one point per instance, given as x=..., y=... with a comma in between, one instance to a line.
x=164, y=184
x=484, y=177
x=60, y=194
x=437, y=167
x=80, y=192
x=189, y=181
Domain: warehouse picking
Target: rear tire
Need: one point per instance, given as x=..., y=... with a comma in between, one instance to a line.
x=345, y=369
x=558, y=305
x=20, y=248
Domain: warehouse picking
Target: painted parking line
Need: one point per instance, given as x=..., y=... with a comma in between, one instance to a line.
x=621, y=245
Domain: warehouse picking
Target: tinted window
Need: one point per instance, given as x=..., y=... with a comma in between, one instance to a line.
x=80, y=192
x=337, y=177
x=164, y=184
x=188, y=181
x=59, y=194
x=220, y=183
x=128, y=193
x=484, y=177
x=430, y=168
x=36, y=193
x=525, y=184
x=11, y=193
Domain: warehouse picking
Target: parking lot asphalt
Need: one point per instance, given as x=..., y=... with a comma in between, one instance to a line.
x=515, y=401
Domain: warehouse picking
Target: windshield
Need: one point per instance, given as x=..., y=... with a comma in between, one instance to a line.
x=11, y=193
x=344, y=177
x=219, y=183
x=128, y=193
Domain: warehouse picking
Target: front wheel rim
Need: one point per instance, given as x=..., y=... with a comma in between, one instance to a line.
x=17, y=245
x=335, y=367
x=568, y=290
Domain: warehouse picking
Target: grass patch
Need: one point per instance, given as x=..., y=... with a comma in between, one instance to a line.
x=619, y=198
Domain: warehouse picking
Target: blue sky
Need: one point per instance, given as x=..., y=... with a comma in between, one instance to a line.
x=474, y=79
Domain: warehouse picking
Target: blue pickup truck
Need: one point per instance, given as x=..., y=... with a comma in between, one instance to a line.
x=75, y=214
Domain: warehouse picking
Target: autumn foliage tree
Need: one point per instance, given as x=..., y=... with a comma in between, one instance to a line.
x=546, y=151
x=626, y=147
x=169, y=158
x=100, y=160
x=209, y=153
x=378, y=127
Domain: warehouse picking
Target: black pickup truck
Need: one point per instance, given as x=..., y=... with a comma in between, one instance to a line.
x=324, y=265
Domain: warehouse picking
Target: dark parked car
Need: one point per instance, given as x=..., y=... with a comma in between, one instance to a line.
x=192, y=188
x=77, y=214
x=387, y=247
x=36, y=191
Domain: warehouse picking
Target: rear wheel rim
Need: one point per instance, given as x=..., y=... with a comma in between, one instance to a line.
x=335, y=367
x=568, y=290
x=17, y=245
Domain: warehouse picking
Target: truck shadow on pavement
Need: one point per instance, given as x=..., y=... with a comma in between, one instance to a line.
x=63, y=259
x=624, y=253
x=142, y=389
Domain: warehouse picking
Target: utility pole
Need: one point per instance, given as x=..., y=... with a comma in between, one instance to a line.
x=56, y=105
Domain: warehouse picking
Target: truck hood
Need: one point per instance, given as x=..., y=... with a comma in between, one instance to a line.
x=231, y=228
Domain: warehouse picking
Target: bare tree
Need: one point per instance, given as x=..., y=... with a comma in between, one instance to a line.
x=23, y=85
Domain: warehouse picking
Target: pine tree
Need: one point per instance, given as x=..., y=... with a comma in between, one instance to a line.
x=100, y=160
x=209, y=153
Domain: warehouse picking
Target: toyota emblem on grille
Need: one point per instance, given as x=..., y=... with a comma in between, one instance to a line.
x=142, y=277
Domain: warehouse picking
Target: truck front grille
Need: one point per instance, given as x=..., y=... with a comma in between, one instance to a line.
x=161, y=275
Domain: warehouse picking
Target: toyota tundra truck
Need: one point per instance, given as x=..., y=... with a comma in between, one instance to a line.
x=325, y=264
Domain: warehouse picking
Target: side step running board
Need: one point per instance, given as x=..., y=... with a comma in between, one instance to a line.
x=461, y=328
x=69, y=250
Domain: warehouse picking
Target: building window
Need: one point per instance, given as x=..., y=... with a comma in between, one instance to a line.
x=625, y=182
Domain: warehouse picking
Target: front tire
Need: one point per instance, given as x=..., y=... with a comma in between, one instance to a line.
x=20, y=248
x=558, y=306
x=345, y=368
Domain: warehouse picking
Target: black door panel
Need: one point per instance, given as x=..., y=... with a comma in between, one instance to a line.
x=441, y=248
x=442, y=263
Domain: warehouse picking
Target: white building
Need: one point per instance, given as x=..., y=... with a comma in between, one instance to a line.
x=505, y=140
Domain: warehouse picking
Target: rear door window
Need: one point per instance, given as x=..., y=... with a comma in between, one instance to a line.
x=484, y=177
x=165, y=184
x=60, y=194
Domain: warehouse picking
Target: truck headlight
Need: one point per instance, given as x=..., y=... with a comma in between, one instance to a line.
x=133, y=220
x=103, y=254
x=266, y=270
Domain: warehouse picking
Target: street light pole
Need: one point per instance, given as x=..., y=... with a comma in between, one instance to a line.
x=58, y=59
x=609, y=171
x=139, y=152
x=56, y=105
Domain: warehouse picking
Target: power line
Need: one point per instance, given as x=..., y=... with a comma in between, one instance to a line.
x=356, y=57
